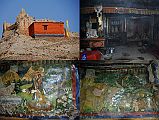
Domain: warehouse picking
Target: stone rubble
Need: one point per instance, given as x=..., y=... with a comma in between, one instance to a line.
x=24, y=47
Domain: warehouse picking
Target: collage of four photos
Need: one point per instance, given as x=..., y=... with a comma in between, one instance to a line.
x=79, y=59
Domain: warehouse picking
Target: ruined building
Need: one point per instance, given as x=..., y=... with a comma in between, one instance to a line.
x=24, y=21
x=28, y=25
x=21, y=25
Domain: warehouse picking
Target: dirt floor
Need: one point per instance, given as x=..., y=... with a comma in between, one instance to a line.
x=132, y=53
x=27, y=48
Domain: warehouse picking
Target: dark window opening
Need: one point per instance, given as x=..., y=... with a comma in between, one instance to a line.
x=45, y=27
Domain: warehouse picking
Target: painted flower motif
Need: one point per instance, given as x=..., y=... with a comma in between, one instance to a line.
x=64, y=98
x=24, y=90
x=59, y=101
x=65, y=104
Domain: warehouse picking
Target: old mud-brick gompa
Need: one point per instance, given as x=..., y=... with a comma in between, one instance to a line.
x=30, y=26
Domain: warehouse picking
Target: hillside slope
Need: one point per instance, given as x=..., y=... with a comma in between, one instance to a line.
x=27, y=48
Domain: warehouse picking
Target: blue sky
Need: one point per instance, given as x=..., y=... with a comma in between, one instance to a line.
x=59, y=10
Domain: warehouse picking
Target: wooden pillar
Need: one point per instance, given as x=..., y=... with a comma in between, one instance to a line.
x=125, y=24
x=153, y=29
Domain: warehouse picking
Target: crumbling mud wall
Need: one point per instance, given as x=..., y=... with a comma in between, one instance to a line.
x=23, y=21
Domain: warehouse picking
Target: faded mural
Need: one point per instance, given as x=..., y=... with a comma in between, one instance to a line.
x=121, y=91
x=37, y=90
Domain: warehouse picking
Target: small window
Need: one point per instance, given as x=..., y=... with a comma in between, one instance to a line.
x=45, y=27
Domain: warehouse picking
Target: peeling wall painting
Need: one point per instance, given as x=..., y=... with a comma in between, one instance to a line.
x=121, y=92
x=37, y=90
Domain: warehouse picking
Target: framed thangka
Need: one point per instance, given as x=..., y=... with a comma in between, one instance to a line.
x=37, y=89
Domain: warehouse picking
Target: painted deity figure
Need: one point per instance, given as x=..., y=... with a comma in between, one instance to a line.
x=38, y=88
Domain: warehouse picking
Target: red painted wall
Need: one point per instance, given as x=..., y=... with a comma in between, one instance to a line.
x=52, y=28
x=31, y=29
